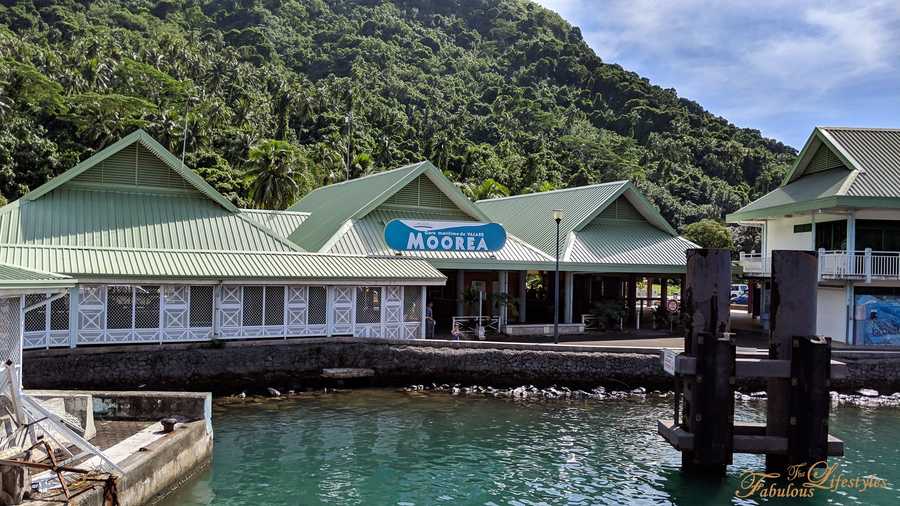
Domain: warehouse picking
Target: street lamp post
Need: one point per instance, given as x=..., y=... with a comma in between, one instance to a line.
x=557, y=217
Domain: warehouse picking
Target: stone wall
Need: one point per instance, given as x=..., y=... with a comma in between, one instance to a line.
x=252, y=366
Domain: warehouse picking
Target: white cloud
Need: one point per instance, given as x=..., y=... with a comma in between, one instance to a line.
x=752, y=62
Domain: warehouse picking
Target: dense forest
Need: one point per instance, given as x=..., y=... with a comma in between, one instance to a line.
x=280, y=96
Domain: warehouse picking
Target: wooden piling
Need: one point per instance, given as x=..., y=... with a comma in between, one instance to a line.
x=793, y=314
x=810, y=400
x=709, y=393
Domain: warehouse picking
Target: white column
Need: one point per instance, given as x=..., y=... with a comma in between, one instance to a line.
x=503, y=281
x=460, y=288
x=424, y=325
x=568, y=281
x=523, y=294
x=851, y=241
x=812, y=245
x=851, y=312
x=74, y=298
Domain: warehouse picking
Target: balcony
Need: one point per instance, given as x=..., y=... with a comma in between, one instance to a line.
x=865, y=265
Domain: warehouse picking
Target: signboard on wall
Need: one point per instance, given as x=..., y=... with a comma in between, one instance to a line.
x=423, y=235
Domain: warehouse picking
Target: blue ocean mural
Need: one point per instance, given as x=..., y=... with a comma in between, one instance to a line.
x=881, y=325
x=421, y=235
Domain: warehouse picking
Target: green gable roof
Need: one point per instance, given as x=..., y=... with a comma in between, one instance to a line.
x=154, y=176
x=15, y=280
x=838, y=167
x=132, y=211
x=332, y=207
x=605, y=227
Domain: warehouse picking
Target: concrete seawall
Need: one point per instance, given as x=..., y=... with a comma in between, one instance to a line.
x=298, y=363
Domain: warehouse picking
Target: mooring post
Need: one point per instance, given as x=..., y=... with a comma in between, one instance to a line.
x=793, y=314
x=810, y=400
x=709, y=394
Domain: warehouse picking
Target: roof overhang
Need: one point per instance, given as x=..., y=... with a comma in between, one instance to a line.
x=836, y=203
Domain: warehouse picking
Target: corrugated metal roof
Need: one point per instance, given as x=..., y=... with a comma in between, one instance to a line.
x=106, y=263
x=814, y=186
x=627, y=244
x=330, y=206
x=875, y=152
x=146, y=141
x=14, y=278
x=118, y=219
x=838, y=166
x=366, y=237
x=283, y=223
x=530, y=216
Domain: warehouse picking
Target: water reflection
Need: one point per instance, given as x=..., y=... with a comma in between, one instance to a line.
x=383, y=447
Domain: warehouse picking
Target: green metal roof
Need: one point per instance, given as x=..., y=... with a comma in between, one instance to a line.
x=16, y=280
x=111, y=263
x=366, y=237
x=332, y=207
x=115, y=218
x=611, y=245
x=143, y=139
x=838, y=167
x=283, y=223
x=132, y=211
x=530, y=217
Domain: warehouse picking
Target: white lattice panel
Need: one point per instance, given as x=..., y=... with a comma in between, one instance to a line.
x=230, y=314
x=411, y=330
x=174, y=308
x=58, y=338
x=392, y=331
x=35, y=339
x=342, y=309
x=91, y=314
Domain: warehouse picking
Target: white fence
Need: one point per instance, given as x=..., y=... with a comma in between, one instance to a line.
x=117, y=314
x=864, y=265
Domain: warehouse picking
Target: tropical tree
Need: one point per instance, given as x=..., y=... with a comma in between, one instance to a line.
x=489, y=189
x=277, y=174
x=709, y=234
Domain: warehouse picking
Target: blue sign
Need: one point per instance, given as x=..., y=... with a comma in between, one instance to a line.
x=419, y=235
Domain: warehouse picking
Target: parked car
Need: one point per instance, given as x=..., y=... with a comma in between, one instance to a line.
x=740, y=299
x=739, y=289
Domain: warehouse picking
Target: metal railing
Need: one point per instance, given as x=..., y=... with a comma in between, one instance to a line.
x=475, y=327
x=864, y=264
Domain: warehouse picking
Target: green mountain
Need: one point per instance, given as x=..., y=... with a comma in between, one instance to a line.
x=500, y=94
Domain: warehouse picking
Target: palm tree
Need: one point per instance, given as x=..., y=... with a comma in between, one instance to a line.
x=277, y=174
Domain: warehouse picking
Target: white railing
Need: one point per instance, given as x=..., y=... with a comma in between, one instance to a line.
x=755, y=263
x=475, y=327
x=865, y=265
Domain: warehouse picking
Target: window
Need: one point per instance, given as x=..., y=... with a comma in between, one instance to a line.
x=831, y=235
x=119, y=300
x=368, y=304
x=880, y=235
x=201, y=308
x=274, y=305
x=317, y=306
x=36, y=319
x=412, y=309
x=146, y=307
x=803, y=228
x=253, y=306
x=59, y=313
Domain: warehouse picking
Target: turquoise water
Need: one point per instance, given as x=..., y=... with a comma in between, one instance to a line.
x=386, y=447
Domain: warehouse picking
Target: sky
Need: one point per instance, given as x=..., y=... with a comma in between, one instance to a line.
x=781, y=67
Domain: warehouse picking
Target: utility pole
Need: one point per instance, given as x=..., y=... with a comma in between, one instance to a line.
x=349, y=120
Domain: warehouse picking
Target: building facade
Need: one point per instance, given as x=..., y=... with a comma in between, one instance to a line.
x=610, y=238
x=842, y=200
x=162, y=257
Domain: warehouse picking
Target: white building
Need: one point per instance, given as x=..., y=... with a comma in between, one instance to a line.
x=841, y=199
